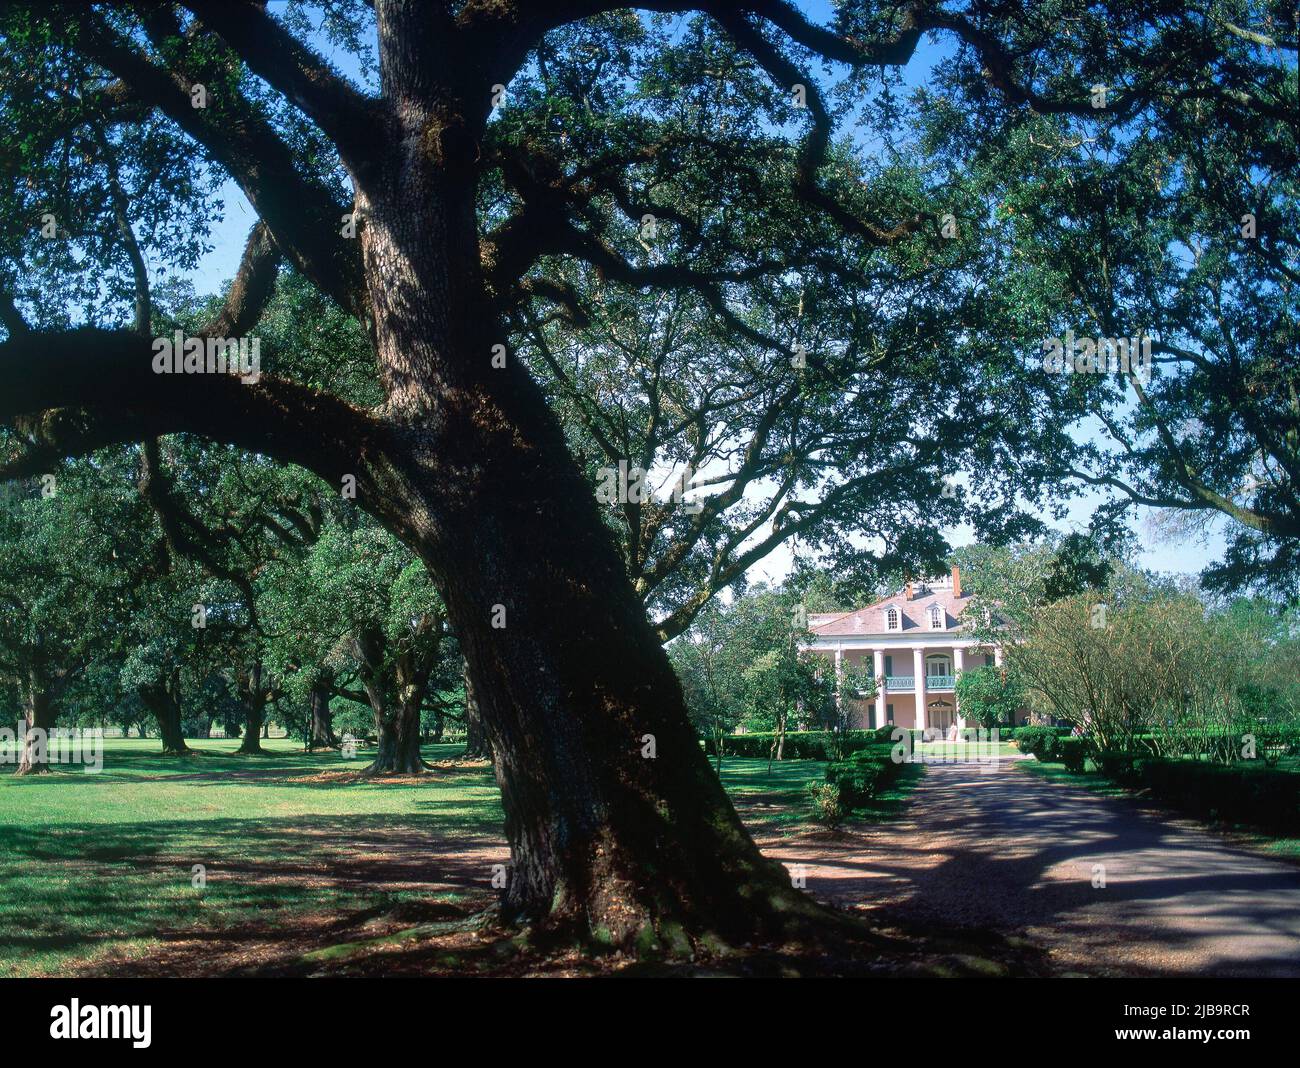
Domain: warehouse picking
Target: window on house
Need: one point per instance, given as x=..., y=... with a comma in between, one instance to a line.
x=889, y=713
x=936, y=617
x=891, y=619
x=937, y=665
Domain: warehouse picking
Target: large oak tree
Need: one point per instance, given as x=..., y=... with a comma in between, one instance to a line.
x=456, y=218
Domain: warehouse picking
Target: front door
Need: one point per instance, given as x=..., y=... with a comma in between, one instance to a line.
x=940, y=715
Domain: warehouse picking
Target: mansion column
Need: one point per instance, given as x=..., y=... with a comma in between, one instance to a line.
x=918, y=670
x=839, y=676
x=882, y=692
x=958, y=664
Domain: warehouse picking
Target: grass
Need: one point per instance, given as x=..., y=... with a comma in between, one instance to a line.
x=99, y=864
x=890, y=802
x=100, y=868
x=771, y=800
x=1088, y=780
x=966, y=750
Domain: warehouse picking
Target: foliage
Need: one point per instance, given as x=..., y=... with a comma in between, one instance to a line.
x=799, y=745
x=828, y=807
x=863, y=775
x=1246, y=793
x=990, y=695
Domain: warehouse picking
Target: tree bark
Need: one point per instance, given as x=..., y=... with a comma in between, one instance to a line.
x=166, y=709
x=320, y=725
x=39, y=715
x=607, y=844
x=399, y=743
x=477, y=746
x=395, y=701
x=253, y=694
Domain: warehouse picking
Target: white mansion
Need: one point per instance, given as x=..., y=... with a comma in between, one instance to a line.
x=915, y=643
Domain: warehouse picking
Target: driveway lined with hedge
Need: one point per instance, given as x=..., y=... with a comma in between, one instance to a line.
x=1106, y=885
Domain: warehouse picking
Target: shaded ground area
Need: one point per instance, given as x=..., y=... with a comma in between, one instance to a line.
x=308, y=870
x=167, y=865
x=1010, y=851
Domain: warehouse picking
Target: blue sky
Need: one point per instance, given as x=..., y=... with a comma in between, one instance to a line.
x=1186, y=556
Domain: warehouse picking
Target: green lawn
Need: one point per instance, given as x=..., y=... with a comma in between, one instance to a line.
x=94, y=863
x=102, y=864
x=778, y=799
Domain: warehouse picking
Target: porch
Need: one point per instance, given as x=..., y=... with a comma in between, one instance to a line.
x=900, y=701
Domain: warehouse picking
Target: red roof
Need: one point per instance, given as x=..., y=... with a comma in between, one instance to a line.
x=871, y=619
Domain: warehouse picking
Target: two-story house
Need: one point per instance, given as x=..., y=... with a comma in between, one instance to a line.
x=915, y=643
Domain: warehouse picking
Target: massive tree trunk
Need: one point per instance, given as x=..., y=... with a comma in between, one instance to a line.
x=320, y=724
x=399, y=743
x=476, y=740
x=166, y=709
x=252, y=737
x=39, y=715
x=254, y=696
x=395, y=703
x=619, y=831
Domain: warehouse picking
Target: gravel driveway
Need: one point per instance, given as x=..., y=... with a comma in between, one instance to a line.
x=1004, y=848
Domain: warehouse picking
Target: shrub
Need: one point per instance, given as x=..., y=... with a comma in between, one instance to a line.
x=1038, y=742
x=1072, y=752
x=799, y=745
x=1248, y=793
x=862, y=777
x=1118, y=765
x=828, y=805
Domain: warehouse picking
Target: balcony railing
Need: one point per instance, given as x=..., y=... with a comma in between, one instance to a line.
x=907, y=683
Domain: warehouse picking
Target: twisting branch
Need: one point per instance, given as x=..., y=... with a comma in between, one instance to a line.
x=185, y=536
x=70, y=393
x=302, y=215
x=348, y=118
x=812, y=154
x=251, y=290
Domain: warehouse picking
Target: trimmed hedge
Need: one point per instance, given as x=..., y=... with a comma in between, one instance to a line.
x=799, y=745
x=861, y=778
x=1249, y=793
x=1040, y=742
x=1072, y=752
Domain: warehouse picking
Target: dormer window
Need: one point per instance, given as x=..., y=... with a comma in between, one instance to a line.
x=891, y=619
x=936, y=617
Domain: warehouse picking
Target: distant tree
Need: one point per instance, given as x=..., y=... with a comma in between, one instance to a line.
x=1147, y=664
x=63, y=591
x=991, y=695
x=360, y=615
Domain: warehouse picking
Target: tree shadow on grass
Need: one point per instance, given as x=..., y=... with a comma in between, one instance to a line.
x=74, y=892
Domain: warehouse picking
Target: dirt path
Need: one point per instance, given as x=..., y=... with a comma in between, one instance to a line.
x=1006, y=849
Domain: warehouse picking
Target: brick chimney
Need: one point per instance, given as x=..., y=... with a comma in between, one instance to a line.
x=907, y=591
x=956, y=581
